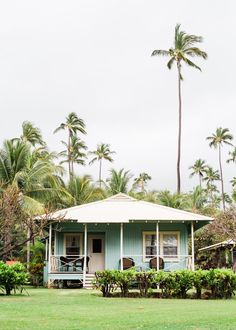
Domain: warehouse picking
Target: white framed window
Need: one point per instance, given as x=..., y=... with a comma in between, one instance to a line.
x=73, y=244
x=169, y=245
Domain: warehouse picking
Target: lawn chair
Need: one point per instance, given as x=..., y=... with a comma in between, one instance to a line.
x=128, y=263
x=153, y=263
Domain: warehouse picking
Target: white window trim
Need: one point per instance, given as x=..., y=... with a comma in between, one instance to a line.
x=161, y=233
x=81, y=241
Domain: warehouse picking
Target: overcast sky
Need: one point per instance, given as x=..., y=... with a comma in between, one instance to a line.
x=93, y=57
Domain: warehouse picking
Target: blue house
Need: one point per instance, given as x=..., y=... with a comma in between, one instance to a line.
x=108, y=233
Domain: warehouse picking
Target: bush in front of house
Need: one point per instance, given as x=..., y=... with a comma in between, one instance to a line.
x=214, y=283
x=12, y=277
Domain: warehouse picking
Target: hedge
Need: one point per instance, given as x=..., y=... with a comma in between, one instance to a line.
x=214, y=283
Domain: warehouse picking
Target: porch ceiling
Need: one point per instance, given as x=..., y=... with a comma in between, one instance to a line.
x=122, y=208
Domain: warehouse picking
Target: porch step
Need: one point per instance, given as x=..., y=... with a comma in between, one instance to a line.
x=88, y=281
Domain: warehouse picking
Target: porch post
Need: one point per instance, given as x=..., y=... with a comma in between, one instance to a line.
x=157, y=245
x=121, y=246
x=55, y=242
x=46, y=250
x=192, y=239
x=85, y=253
x=50, y=248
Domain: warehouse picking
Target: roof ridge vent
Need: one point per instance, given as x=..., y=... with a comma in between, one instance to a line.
x=121, y=197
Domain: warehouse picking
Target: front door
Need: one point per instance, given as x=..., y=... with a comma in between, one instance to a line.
x=96, y=253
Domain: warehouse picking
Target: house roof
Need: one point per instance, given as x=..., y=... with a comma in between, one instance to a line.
x=122, y=208
x=217, y=245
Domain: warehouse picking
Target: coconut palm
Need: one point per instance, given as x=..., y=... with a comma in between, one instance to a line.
x=233, y=182
x=36, y=180
x=177, y=201
x=232, y=155
x=83, y=190
x=118, y=181
x=198, y=168
x=73, y=125
x=76, y=154
x=141, y=181
x=217, y=140
x=31, y=134
x=184, y=47
x=211, y=176
x=102, y=152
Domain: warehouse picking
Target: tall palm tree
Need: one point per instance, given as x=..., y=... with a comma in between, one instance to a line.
x=76, y=152
x=233, y=182
x=73, y=125
x=211, y=176
x=102, y=152
x=31, y=134
x=118, y=181
x=184, y=47
x=141, y=181
x=198, y=168
x=232, y=155
x=217, y=140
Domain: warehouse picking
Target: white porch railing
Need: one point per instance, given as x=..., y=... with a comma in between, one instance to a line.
x=173, y=263
x=66, y=263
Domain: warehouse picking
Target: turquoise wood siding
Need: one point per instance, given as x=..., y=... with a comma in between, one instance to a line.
x=133, y=240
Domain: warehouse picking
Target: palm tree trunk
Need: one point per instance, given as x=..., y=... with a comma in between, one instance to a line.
x=100, y=173
x=69, y=156
x=200, y=181
x=180, y=128
x=221, y=179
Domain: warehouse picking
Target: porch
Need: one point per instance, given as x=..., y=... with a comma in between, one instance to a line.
x=75, y=250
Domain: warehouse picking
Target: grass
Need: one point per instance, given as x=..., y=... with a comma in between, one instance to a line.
x=80, y=309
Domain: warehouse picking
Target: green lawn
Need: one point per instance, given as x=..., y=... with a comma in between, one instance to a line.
x=80, y=309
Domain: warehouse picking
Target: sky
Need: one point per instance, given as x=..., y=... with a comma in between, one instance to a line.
x=93, y=57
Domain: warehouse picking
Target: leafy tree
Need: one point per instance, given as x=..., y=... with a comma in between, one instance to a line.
x=184, y=47
x=73, y=125
x=141, y=181
x=199, y=168
x=118, y=181
x=217, y=140
x=102, y=152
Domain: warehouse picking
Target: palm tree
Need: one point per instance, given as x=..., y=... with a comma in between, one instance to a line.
x=177, y=201
x=198, y=168
x=73, y=125
x=217, y=140
x=76, y=152
x=141, y=181
x=102, y=152
x=233, y=182
x=118, y=181
x=184, y=47
x=232, y=155
x=31, y=134
x=83, y=190
x=211, y=175
x=37, y=180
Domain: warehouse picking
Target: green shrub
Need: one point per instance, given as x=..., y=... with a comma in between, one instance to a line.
x=105, y=281
x=221, y=283
x=145, y=281
x=124, y=279
x=166, y=282
x=199, y=281
x=12, y=277
x=183, y=281
x=36, y=273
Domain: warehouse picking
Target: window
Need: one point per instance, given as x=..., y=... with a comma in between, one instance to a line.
x=97, y=245
x=168, y=245
x=73, y=244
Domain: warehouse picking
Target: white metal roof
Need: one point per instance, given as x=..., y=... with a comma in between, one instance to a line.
x=217, y=245
x=122, y=208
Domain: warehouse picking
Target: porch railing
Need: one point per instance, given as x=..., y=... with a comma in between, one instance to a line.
x=67, y=263
x=170, y=263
